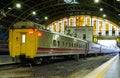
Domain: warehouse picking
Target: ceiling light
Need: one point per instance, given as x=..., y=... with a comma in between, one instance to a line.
x=45, y=17
x=96, y=1
x=104, y=15
x=9, y=8
x=18, y=5
x=34, y=13
x=117, y=0
x=101, y=9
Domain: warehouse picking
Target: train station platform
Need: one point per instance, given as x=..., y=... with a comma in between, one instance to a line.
x=110, y=69
x=5, y=59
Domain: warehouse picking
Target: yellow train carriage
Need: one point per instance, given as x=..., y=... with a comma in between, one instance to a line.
x=23, y=40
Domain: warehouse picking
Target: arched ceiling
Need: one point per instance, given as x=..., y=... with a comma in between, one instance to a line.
x=56, y=9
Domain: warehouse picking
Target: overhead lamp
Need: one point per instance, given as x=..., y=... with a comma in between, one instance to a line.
x=96, y=1
x=9, y=8
x=18, y=5
x=104, y=15
x=45, y=17
x=34, y=13
x=117, y=0
x=101, y=9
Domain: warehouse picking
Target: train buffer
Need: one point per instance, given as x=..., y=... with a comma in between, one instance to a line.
x=109, y=69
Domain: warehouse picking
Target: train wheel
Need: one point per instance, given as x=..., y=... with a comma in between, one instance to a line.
x=37, y=61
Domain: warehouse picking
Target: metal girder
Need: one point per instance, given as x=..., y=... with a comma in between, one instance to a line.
x=56, y=9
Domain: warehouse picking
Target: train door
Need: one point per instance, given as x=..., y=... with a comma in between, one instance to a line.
x=23, y=42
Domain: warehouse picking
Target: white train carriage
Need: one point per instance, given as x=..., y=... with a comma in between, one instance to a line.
x=56, y=44
x=26, y=39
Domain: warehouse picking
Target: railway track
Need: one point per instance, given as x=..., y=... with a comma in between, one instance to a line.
x=58, y=69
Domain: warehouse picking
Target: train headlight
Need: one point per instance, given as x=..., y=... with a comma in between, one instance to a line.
x=39, y=34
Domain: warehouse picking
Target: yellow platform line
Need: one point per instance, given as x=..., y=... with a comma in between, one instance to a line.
x=101, y=70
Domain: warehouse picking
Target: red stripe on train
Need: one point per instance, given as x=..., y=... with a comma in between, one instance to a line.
x=59, y=50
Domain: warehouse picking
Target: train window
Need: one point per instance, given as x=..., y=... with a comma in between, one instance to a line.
x=54, y=42
x=58, y=43
x=76, y=45
x=23, y=38
x=79, y=45
x=69, y=44
x=72, y=44
x=63, y=43
x=66, y=44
